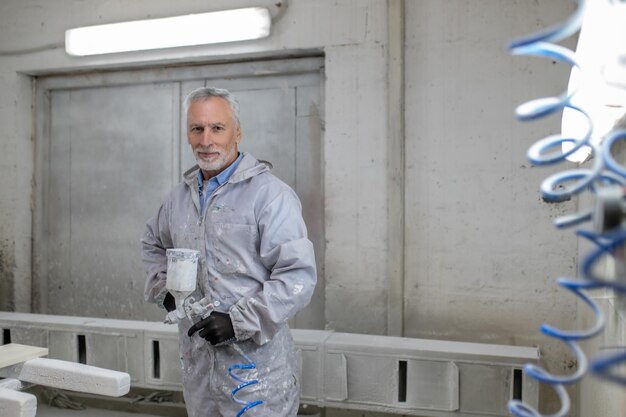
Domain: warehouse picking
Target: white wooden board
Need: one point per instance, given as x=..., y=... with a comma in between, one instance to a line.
x=17, y=404
x=71, y=376
x=15, y=353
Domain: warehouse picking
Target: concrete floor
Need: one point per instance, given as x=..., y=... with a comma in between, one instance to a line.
x=44, y=410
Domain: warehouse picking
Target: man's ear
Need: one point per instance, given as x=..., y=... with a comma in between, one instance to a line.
x=238, y=134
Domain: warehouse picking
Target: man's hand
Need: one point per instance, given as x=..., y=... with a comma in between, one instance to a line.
x=217, y=328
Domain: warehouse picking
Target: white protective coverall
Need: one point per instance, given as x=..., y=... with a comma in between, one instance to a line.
x=257, y=264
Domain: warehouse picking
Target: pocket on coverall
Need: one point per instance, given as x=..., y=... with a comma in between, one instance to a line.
x=233, y=247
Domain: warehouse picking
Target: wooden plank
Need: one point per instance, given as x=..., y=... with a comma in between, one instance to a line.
x=15, y=353
x=12, y=383
x=17, y=404
x=70, y=376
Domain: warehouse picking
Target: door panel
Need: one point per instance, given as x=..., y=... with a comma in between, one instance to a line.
x=268, y=126
x=101, y=163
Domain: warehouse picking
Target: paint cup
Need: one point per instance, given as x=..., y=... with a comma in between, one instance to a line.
x=182, y=272
x=182, y=269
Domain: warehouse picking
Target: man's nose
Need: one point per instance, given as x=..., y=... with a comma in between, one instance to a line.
x=207, y=138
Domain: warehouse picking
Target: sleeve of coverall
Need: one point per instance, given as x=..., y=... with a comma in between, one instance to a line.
x=155, y=240
x=288, y=254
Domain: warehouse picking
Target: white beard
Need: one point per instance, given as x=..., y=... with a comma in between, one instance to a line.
x=216, y=164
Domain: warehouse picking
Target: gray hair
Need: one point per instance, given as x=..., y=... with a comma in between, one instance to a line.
x=205, y=93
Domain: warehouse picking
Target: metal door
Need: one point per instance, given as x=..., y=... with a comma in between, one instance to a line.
x=110, y=146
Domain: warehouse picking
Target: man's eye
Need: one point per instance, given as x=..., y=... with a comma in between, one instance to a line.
x=196, y=129
x=218, y=128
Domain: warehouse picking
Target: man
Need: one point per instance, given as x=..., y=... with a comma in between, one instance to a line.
x=256, y=266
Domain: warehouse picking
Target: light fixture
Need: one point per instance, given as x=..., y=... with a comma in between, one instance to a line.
x=599, y=85
x=169, y=32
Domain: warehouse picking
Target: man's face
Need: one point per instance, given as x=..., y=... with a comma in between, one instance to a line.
x=212, y=134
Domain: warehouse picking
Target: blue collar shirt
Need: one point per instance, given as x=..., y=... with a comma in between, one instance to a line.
x=215, y=182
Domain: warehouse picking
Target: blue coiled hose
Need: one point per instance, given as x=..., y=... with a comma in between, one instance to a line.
x=249, y=365
x=607, y=244
x=613, y=241
x=560, y=187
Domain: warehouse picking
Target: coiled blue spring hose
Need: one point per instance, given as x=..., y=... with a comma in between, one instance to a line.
x=243, y=383
x=605, y=170
x=609, y=243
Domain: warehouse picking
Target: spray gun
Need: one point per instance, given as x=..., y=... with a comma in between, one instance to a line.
x=182, y=272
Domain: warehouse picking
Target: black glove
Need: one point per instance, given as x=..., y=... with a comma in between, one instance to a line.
x=169, y=302
x=217, y=328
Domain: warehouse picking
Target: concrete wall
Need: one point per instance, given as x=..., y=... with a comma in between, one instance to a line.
x=481, y=252
x=434, y=224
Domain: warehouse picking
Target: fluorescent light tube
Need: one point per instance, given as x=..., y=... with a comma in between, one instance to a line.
x=169, y=32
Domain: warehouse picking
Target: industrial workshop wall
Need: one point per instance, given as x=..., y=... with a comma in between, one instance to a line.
x=481, y=251
x=110, y=145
